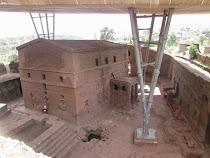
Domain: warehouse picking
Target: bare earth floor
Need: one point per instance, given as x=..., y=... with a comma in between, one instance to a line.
x=116, y=129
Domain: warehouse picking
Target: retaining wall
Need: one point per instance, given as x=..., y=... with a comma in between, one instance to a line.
x=10, y=87
x=193, y=86
x=203, y=58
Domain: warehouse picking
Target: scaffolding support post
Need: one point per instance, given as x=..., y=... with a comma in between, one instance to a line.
x=137, y=50
x=145, y=133
x=43, y=31
x=34, y=25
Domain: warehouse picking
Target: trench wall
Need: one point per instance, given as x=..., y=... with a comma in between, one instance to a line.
x=10, y=89
x=203, y=58
x=193, y=86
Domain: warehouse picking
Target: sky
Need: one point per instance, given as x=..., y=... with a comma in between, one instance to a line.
x=87, y=26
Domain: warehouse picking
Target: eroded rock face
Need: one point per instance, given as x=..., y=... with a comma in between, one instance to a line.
x=2, y=69
x=14, y=67
x=10, y=90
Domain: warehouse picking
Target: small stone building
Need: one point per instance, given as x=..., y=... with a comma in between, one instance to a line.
x=207, y=50
x=124, y=92
x=71, y=77
x=183, y=47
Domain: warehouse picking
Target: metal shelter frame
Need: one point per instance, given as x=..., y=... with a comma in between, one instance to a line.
x=145, y=133
x=45, y=31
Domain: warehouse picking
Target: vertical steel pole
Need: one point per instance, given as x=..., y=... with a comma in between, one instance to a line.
x=137, y=51
x=48, y=34
x=157, y=68
x=34, y=25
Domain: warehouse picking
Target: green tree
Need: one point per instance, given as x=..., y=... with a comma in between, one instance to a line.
x=13, y=57
x=193, y=52
x=207, y=33
x=202, y=39
x=172, y=40
x=107, y=34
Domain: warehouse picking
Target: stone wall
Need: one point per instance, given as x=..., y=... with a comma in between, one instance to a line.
x=207, y=50
x=132, y=60
x=192, y=85
x=183, y=47
x=10, y=90
x=203, y=58
x=14, y=67
x=2, y=69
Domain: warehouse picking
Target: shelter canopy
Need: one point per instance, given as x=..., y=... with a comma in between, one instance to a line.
x=106, y=6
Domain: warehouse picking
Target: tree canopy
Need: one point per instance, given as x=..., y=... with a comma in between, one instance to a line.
x=202, y=39
x=172, y=40
x=207, y=33
x=107, y=34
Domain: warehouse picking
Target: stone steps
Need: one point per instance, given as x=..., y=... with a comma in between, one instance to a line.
x=68, y=150
x=49, y=140
x=66, y=147
x=57, y=142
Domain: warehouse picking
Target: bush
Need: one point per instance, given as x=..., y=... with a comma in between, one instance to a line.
x=13, y=57
x=178, y=52
x=184, y=53
x=193, y=52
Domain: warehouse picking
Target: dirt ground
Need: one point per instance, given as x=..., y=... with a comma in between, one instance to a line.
x=116, y=129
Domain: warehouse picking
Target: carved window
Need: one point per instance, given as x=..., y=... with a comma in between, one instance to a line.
x=115, y=59
x=123, y=88
x=29, y=75
x=61, y=78
x=43, y=77
x=106, y=60
x=96, y=62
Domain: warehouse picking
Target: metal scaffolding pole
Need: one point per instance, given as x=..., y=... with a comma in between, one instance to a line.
x=156, y=71
x=41, y=32
x=34, y=25
x=145, y=133
x=41, y=25
x=48, y=34
x=137, y=50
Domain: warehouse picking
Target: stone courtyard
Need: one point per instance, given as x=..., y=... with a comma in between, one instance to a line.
x=109, y=133
x=115, y=127
x=93, y=108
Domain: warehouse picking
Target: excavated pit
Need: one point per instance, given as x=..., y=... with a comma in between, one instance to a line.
x=93, y=134
x=29, y=131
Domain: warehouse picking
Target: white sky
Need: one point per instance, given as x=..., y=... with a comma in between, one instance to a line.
x=18, y=24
